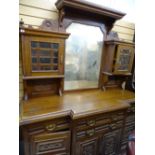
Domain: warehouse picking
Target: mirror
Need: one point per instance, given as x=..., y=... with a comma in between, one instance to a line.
x=83, y=56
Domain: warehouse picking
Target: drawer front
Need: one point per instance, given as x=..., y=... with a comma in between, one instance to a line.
x=50, y=143
x=101, y=120
x=49, y=126
x=98, y=129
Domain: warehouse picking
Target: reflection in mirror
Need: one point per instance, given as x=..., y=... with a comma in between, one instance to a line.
x=83, y=56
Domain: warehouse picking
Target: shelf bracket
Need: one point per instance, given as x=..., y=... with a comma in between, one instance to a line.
x=60, y=92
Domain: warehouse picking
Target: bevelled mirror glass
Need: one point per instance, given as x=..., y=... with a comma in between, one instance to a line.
x=83, y=56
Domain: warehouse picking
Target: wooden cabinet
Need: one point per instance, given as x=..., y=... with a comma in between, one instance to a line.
x=84, y=123
x=102, y=134
x=118, y=58
x=48, y=137
x=92, y=123
x=42, y=52
x=105, y=143
x=117, y=62
x=43, y=61
x=98, y=135
x=50, y=143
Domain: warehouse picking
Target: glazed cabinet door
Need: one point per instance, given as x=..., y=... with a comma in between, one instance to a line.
x=50, y=144
x=43, y=56
x=110, y=143
x=87, y=147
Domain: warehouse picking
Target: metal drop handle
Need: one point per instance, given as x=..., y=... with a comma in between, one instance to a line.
x=50, y=127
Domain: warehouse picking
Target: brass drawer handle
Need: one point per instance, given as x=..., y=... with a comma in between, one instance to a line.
x=90, y=132
x=50, y=127
x=91, y=122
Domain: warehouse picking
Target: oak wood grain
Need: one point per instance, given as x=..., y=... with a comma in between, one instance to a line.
x=74, y=104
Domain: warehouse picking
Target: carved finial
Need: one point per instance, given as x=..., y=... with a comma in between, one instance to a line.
x=112, y=36
x=21, y=23
x=61, y=16
x=30, y=26
x=50, y=25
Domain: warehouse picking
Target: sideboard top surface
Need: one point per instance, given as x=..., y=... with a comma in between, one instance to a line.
x=74, y=104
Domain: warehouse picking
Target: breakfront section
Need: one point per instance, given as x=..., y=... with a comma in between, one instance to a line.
x=98, y=135
x=43, y=61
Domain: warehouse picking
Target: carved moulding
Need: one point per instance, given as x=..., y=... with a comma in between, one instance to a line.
x=80, y=10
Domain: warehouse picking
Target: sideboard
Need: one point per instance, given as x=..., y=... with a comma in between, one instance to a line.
x=90, y=122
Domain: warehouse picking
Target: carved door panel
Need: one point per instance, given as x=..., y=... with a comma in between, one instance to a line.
x=125, y=56
x=110, y=142
x=87, y=147
x=127, y=131
x=50, y=144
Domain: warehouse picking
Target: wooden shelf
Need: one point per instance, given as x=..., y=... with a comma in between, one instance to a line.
x=45, y=49
x=91, y=8
x=110, y=74
x=42, y=77
x=117, y=42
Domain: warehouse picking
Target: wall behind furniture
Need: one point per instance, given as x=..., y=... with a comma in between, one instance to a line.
x=35, y=11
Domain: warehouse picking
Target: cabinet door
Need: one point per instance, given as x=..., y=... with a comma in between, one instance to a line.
x=50, y=144
x=43, y=56
x=87, y=147
x=124, y=59
x=127, y=131
x=110, y=142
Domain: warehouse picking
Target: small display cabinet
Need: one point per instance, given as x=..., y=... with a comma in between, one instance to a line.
x=118, y=61
x=43, y=61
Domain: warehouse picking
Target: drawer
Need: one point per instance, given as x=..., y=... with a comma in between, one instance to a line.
x=112, y=117
x=99, y=120
x=50, y=143
x=86, y=133
x=99, y=129
x=109, y=127
x=49, y=126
